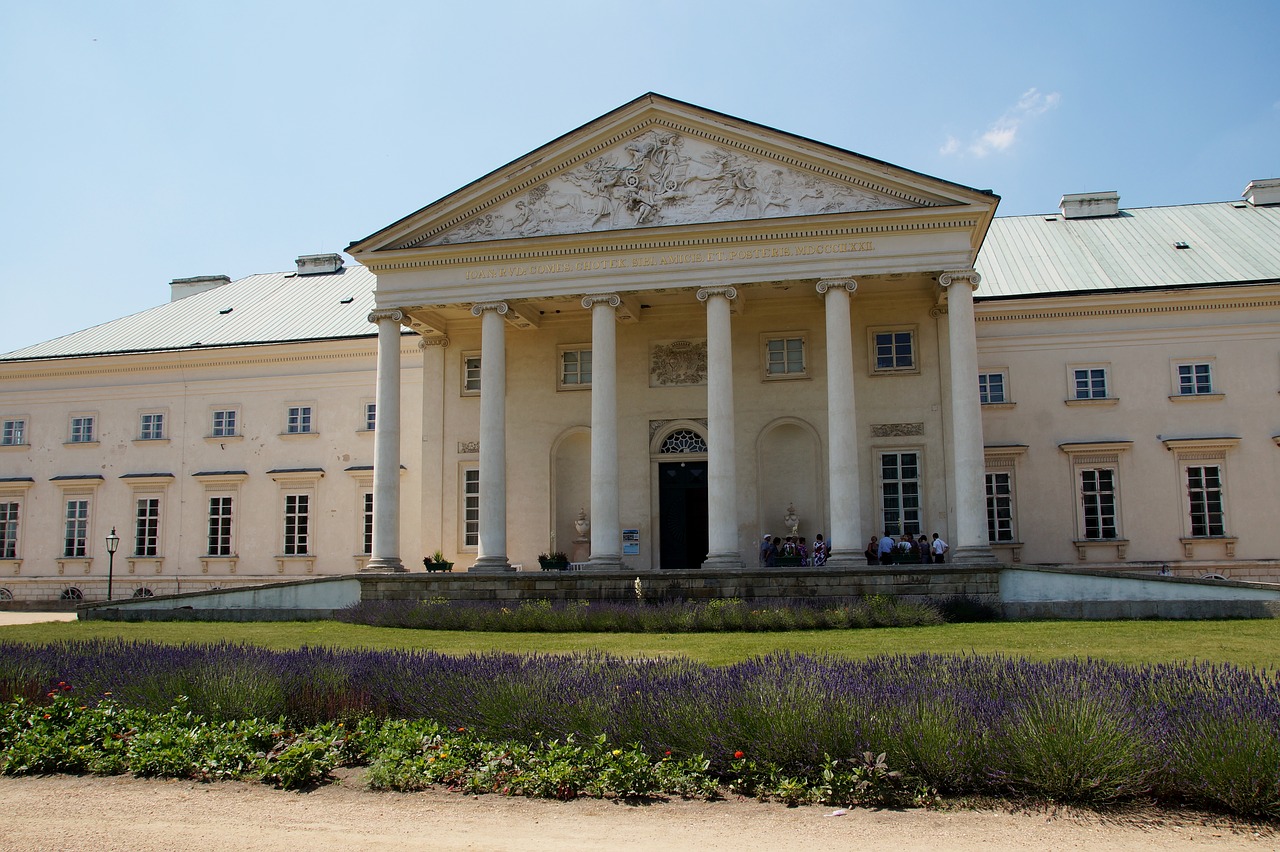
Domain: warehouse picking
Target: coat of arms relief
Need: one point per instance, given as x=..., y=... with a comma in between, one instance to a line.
x=661, y=177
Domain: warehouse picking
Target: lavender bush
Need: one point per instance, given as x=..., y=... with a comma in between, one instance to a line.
x=1070, y=730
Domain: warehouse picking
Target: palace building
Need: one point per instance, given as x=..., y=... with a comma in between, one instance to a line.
x=653, y=341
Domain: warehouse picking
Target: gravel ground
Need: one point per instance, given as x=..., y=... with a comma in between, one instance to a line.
x=74, y=813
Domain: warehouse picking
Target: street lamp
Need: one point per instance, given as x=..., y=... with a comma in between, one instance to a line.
x=113, y=541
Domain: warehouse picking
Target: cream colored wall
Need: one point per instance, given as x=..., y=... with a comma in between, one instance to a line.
x=335, y=378
x=1139, y=338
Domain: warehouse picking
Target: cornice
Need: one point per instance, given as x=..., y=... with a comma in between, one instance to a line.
x=988, y=313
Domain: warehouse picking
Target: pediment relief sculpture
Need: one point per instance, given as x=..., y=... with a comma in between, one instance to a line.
x=662, y=177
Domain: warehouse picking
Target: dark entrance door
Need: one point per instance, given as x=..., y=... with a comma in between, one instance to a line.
x=682, y=507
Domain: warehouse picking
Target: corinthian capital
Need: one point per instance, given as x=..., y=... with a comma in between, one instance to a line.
x=386, y=314
x=946, y=279
x=500, y=308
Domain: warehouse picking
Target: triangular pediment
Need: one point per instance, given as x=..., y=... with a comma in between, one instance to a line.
x=657, y=163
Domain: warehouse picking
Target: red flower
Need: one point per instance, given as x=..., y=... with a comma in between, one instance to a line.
x=460, y=730
x=737, y=755
x=66, y=687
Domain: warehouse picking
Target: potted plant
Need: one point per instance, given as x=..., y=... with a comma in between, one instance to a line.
x=437, y=562
x=556, y=560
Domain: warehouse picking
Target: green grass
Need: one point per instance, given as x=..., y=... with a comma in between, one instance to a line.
x=1247, y=643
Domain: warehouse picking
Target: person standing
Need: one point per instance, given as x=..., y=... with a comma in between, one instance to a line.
x=885, y=548
x=939, y=549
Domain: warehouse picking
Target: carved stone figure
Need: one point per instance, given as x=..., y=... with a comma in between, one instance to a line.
x=791, y=520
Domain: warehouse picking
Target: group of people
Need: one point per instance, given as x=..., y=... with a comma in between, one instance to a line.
x=890, y=550
x=776, y=551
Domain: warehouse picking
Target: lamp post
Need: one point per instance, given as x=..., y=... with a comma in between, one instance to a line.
x=113, y=541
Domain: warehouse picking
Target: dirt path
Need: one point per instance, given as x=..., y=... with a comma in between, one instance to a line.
x=85, y=813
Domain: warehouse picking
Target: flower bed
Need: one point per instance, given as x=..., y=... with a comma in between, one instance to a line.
x=887, y=730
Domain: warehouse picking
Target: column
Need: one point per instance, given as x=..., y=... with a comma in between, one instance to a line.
x=386, y=446
x=492, y=555
x=842, y=428
x=970, y=520
x=606, y=532
x=722, y=485
x=434, y=490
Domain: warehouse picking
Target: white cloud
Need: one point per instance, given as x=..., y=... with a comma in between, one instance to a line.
x=1003, y=132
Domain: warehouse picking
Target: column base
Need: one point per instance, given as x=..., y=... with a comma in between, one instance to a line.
x=723, y=561
x=384, y=565
x=605, y=562
x=491, y=565
x=979, y=555
x=845, y=559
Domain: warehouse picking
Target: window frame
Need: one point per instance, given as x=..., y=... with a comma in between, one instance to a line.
x=1074, y=396
x=370, y=421
x=873, y=349
x=77, y=435
x=900, y=527
x=234, y=411
x=1178, y=392
x=469, y=379
x=14, y=425
x=562, y=354
x=296, y=416
x=785, y=338
x=469, y=507
x=1191, y=453
x=158, y=434
x=12, y=510
x=1095, y=456
x=984, y=387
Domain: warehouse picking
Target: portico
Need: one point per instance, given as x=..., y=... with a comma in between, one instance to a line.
x=669, y=288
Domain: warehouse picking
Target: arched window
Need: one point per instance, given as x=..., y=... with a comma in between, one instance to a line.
x=683, y=441
x=71, y=593
x=6, y=595
x=143, y=592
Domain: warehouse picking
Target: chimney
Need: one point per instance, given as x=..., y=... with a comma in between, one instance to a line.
x=319, y=264
x=1089, y=205
x=1262, y=193
x=181, y=288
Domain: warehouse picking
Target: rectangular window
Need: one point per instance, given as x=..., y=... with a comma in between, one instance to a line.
x=1098, y=500
x=784, y=356
x=224, y=423
x=368, y=523
x=152, y=428
x=9, y=530
x=13, y=433
x=220, y=526
x=299, y=420
x=297, y=518
x=471, y=374
x=82, y=430
x=146, y=528
x=75, y=539
x=575, y=368
x=1194, y=379
x=1204, y=487
x=370, y=416
x=471, y=507
x=900, y=492
x=999, y=507
x=991, y=388
x=1090, y=383
x=895, y=350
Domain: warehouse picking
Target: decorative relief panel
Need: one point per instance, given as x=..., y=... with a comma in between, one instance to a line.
x=896, y=430
x=678, y=363
x=661, y=177
x=467, y=448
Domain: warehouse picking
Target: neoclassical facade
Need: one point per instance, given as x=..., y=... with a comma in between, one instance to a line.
x=648, y=344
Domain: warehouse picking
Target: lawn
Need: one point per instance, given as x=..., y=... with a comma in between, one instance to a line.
x=1254, y=643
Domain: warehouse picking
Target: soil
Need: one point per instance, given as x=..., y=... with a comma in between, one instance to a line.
x=123, y=813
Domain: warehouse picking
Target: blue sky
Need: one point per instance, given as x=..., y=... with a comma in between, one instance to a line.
x=147, y=141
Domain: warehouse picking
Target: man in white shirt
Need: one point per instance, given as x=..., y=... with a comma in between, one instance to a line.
x=939, y=548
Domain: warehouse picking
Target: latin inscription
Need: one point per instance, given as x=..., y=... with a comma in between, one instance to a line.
x=682, y=258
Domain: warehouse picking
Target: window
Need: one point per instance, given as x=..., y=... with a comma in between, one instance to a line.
x=370, y=416
x=1098, y=502
x=367, y=523
x=13, y=433
x=784, y=357
x=82, y=429
x=900, y=492
x=471, y=507
x=75, y=539
x=575, y=368
x=152, y=427
x=894, y=350
x=298, y=421
x=1204, y=490
x=470, y=374
x=1194, y=379
x=991, y=388
x=1090, y=383
x=9, y=530
x=225, y=422
x=297, y=522
x=146, y=527
x=220, y=526
x=1000, y=507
